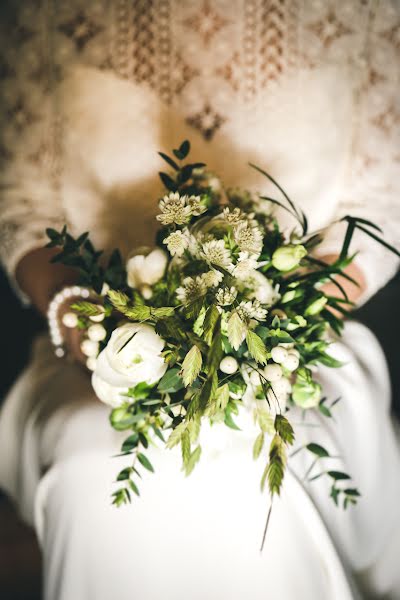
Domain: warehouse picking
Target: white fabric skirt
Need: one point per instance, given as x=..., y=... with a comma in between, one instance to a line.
x=199, y=537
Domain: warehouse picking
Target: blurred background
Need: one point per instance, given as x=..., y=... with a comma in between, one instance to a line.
x=20, y=561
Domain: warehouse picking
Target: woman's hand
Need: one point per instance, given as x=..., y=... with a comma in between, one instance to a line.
x=40, y=280
x=353, y=291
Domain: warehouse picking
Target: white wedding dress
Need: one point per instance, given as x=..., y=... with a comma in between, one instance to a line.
x=307, y=90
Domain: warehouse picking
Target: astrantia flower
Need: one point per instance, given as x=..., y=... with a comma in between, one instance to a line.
x=262, y=289
x=246, y=265
x=212, y=278
x=193, y=288
x=233, y=216
x=251, y=310
x=174, y=209
x=215, y=253
x=226, y=296
x=196, y=205
x=248, y=238
x=177, y=242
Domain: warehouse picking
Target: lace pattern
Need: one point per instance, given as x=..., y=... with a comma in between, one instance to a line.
x=209, y=62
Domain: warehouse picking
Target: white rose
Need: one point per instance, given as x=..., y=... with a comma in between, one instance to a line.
x=263, y=291
x=132, y=356
x=144, y=271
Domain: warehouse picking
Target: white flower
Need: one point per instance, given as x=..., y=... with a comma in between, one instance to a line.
x=226, y=296
x=215, y=253
x=132, y=356
x=249, y=238
x=174, y=209
x=251, y=310
x=246, y=264
x=177, y=242
x=262, y=289
x=197, y=206
x=144, y=271
x=233, y=216
x=212, y=278
x=193, y=288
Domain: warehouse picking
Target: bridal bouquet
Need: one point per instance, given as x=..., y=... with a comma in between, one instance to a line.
x=226, y=310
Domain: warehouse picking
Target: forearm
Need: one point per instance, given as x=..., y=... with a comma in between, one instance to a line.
x=40, y=279
x=353, y=291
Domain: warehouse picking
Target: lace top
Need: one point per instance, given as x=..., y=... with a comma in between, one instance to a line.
x=91, y=90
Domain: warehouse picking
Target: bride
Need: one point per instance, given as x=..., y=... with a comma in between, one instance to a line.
x=91, y=91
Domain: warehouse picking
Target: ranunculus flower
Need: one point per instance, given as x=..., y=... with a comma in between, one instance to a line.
x=132, y=356
x=145, y=270
x=287, y=258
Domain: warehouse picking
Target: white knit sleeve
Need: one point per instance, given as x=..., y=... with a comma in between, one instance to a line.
x=28, y=199
x=372, y=187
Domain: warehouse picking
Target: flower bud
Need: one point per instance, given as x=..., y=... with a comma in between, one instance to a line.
x=288, y=257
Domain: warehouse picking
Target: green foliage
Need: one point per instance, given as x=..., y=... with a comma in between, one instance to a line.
x=256, y=347
x=236, y=330
x=191, y=366
x=284, y=429
x=88, y=309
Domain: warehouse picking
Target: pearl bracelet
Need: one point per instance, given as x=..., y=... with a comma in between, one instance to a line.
x=52, y=315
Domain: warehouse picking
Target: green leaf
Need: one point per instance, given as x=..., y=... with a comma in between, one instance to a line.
x=176, y=435
x=169, y=183
x=352, y=492
x=137, y=313
x=284, y=429
x=185, y=446
x=207, y=392
x=277, y=464
x=118, y=299
x=338, y=475
x=229, y=421
x=216, y=353
x=130, y=443
x=145, y=462
x=171, y=382
x=318, y=450
x=256, y=347
x=183, y=150
x=169, y=160
x=210, y=321
x=87, y=308
x=222, y=396
x=124, y=474
x=193, y=460
x=258, y=445
x=162, y=312
x=134, y=487
x=191, y=366
x=236, y=330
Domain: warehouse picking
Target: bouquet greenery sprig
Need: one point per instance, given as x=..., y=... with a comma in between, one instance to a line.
x=226, y=310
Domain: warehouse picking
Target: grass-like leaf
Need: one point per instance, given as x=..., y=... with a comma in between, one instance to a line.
x=191, y=366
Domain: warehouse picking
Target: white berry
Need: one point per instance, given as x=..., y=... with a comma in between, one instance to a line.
x=98, y=318
x=91, y=363
x=90, y=348
x=279, y=354
x=291, y=362
x=70, y=320
x=272, y=373
x=228, y=365
x=96, y=333
x=255, y=378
